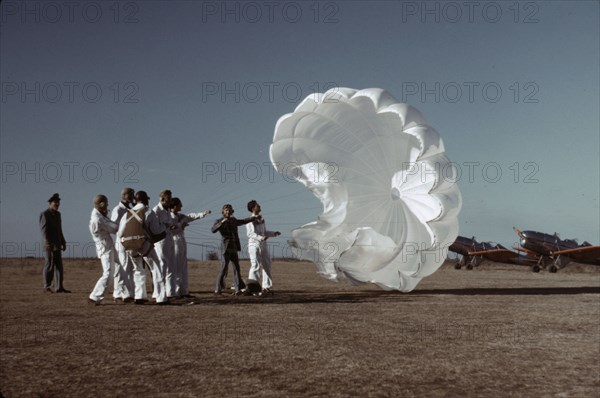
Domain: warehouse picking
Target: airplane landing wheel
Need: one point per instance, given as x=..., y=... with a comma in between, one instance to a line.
x=457, y=266
x=552, y=269
x=535, y=268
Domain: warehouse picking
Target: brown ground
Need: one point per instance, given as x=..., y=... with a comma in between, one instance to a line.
x=494, y=331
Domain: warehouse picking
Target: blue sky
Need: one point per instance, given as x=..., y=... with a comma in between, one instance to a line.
x=185, y=95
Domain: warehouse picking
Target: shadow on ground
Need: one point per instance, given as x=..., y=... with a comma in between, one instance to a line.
x=304, y=297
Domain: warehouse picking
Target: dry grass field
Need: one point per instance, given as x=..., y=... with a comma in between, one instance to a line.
x=491, y=332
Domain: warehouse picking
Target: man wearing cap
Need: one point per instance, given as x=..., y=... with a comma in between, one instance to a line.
x=101, y=228
x=54, y=242
x=124, y=289
x=230, y=246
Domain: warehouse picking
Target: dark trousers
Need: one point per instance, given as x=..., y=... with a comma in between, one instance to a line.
x=53, y=270
x=238, y=283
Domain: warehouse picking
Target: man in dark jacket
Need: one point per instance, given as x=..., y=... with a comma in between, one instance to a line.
x=54, y=242
x=230, y=246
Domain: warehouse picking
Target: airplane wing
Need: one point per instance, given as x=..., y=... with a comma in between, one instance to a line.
x=593, y=251
x=585, y=254
x=528, y=253
x=505, y=256
x=482, y=252
x=499, y=255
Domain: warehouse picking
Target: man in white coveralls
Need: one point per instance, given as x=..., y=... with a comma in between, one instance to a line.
x=165, y=249
x=138, y=232
x=124, y=287
x=101, y=228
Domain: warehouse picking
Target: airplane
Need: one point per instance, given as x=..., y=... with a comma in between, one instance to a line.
x=463, y=246
x=555, y=253
x=473, y=253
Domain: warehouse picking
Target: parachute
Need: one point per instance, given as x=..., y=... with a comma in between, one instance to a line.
x=132, y=233
x=389, y=193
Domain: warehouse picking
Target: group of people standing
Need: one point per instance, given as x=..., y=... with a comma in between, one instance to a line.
x=154, y=238
x=162, y=247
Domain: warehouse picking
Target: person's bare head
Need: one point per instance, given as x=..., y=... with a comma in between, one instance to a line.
x=142, y=197
x=127, y=195
x=165, y=198
x=254, y=207
x=175, y=205
x=101, y=204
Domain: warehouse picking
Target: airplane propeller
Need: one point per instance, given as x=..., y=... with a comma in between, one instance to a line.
x=518, y=231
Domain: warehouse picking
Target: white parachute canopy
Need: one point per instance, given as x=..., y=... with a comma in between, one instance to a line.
x=390, y=201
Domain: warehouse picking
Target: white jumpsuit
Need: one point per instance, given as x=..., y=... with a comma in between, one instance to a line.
x=150, y=258
x=259, y=253
x=164, y=248
x=101, y=228
x=124, y=286
x=180, y=250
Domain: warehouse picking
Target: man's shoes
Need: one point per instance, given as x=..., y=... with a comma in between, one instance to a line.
x=266, y=292
x=237, y=293
x=140, y=301
x=48, y=290
x=128, y=300
x=63, y=290
x=118, y=301
x=217, y=293
x=164, y=303
x=93, y=302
